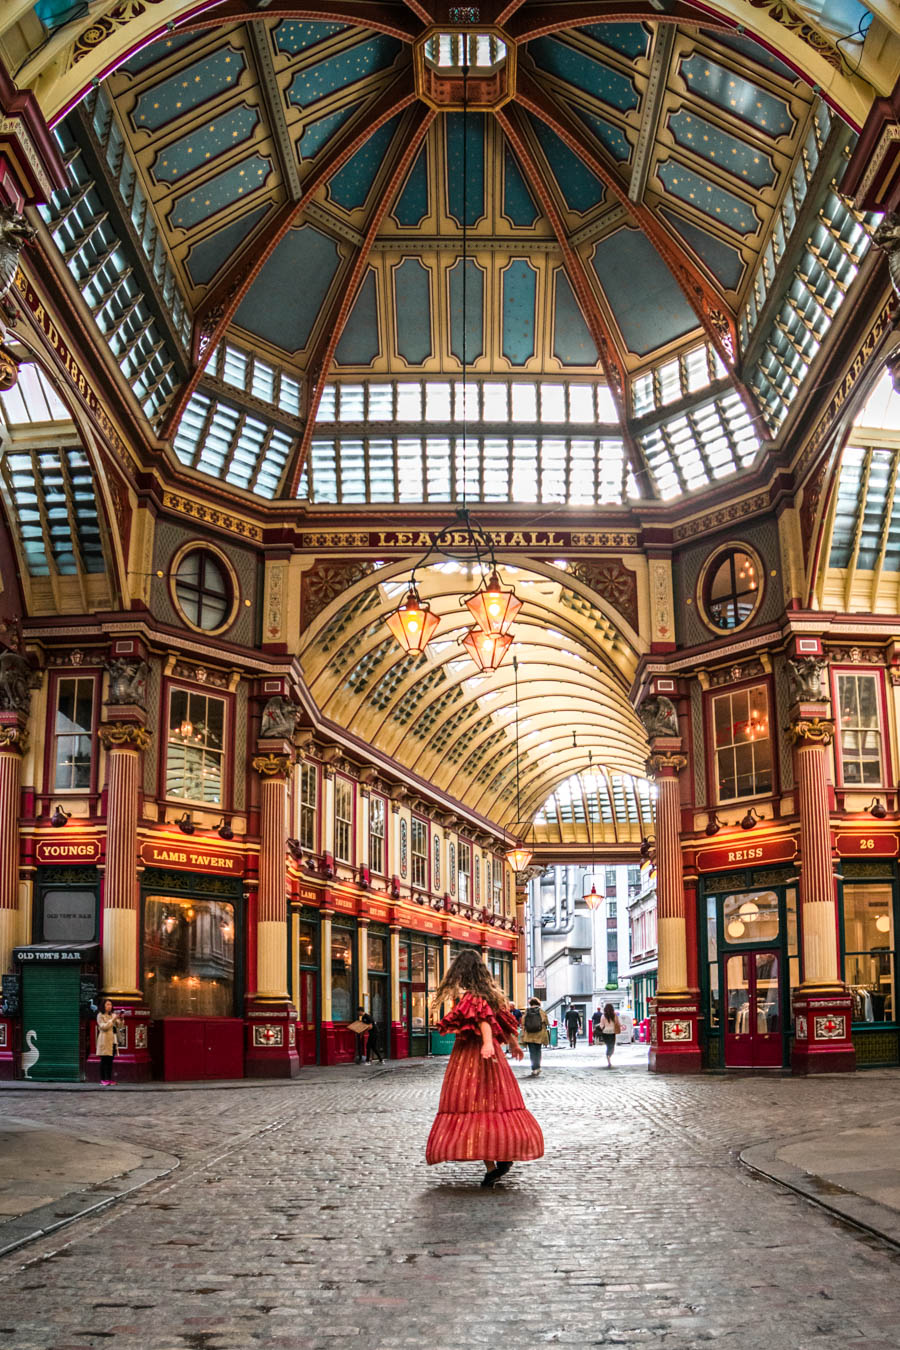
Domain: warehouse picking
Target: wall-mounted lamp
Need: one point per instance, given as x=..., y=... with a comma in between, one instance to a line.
x=59, y=816
x=877, y=808
x=185, y=824
x=294, y=849
x=647, y=844
x=749, y=819
x=224, y=828
x=713, y=824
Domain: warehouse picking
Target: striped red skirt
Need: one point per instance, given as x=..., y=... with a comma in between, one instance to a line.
x=481, y=1112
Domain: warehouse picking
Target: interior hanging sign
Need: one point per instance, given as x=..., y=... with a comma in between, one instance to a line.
x=746, y=854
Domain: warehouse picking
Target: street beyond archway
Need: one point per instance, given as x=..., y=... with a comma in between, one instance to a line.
x=303, y=1216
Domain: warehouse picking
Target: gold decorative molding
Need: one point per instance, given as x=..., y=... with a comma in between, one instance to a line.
x=272, y=765
x=656, y=763
x=811, y=731
x=124, y=735
x=14, y=738
x=221, y=520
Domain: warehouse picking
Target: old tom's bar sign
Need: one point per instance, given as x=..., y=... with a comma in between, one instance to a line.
x=746, y=854
x=191, y=857
x=71, y=850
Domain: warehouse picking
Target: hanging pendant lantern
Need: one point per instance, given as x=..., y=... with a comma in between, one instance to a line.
x=519, y=857
x=492, y=607
x=593, y=898
x=413, y=623
x=487, y=650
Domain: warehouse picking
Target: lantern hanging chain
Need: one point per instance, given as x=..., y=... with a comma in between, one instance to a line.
x=465, y=268
x=518, y=801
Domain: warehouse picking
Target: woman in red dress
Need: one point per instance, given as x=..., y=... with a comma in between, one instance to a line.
x=481, y=1112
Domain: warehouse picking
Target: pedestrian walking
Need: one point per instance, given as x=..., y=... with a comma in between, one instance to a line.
x=108, y=1023
x=372, y=1047
x=610, y=1026
x=573, y=1025
x=595, y=1024
x=535, y=1033
x=481, y=1113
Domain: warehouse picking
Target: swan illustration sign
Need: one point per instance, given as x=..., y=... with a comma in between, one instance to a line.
x=30, y=1056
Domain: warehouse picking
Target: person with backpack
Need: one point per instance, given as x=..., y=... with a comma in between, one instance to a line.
x=535, y=1033
x=610, y=1026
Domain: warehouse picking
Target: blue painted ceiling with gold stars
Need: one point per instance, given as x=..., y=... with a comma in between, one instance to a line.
x=636, y=167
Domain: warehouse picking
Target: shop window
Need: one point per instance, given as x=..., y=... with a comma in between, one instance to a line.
x=342, y=1009
x=204, y=591
x=306, y=942
x=869, y=950
x=465, y=874
x=73, y=734
x=743, y=747
x=343, y=820
x=377, y=952
x=195, y=750
x=498, y=886
x=69, y=915
x=188, y=957
x=307, y=830
x=419, y=850
x=730, y=589
x=751, y=917
x=859, y=724
x=377, y=826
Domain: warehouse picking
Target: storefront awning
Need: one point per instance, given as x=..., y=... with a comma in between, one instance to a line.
x=85, y=952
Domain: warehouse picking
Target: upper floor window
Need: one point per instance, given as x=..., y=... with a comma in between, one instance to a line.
x=377, y=819
x=343, y=819
x=419, y=853
x=73, y=728
x=731, y=588
x=498, y=887
x=308, y=789
x=859, y=723
x=743, y=748
x=203, y=590
x=195, y=752
x=465, y=874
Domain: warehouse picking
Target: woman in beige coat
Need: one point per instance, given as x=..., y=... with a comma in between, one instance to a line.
x=535, y=1033
x=107, y=1022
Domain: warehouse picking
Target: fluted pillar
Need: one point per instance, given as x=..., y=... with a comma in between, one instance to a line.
x=13, y=744
x=674, y=1014
x=399, y=1029
x=272, y=1018
x=123, y=743
x=821, y=1005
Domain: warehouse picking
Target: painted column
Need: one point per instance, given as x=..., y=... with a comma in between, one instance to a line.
x=822, y=1006
x=362, y=957
x=271, y=1017
x=13, y=745
x=123, y=743
x=362, y=835
x=328, y=818
x=674, y=1015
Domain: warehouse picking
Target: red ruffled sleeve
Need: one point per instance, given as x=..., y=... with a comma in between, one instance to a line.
x=471, y=1011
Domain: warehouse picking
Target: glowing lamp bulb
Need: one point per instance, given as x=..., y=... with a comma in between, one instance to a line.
x=883, y=923
x=493, y=608
x=413, y=623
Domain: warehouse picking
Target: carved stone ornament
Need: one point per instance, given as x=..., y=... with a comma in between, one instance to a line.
x=659, y=717
x=15, y=233
x=124, y=735
x=128, y=683
x=814, y=731
x=279, y=719
x=657, y=763
x=805, y=678
x=13, y=738
x=16, y=676
x=9, y=369
x=272, y=766
x=887, y=238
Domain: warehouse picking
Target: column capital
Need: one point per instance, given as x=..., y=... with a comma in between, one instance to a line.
x=810, y=731
x=273, y=766
x=662, y=761
x=124, y=736
x=14, y=738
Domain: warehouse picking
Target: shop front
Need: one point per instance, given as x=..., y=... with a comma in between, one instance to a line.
x=749, y=958
x=305, y=982
x=379, y=986
x=192, y=941
x=868, y=894
x=420, y=973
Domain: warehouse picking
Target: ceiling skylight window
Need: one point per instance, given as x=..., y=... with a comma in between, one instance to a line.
x=676, y=379
x=453, y=51
x=32, y=399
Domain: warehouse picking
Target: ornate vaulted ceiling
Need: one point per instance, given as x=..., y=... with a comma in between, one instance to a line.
x=296, y=183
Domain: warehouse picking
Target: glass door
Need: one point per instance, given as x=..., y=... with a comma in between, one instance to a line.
x=753, y=1010
x=379, y=1007
x=306, y=1020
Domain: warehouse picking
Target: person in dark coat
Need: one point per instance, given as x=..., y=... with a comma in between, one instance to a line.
x=367, y=1041
x=573, y=1025
x=535, y=1033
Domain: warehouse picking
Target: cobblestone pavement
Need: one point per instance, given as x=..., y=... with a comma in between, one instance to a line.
x=303, y=1216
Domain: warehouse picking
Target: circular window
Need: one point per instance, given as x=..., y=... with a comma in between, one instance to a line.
x=205, y=589
x=731, y=588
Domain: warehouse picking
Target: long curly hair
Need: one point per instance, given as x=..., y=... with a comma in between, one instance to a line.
x=467, y=974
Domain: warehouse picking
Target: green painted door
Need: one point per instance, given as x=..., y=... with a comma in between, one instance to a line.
x=50, y=1022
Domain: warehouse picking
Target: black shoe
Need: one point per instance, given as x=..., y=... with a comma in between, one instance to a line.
x=502, y=1168
x=490, y=1177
